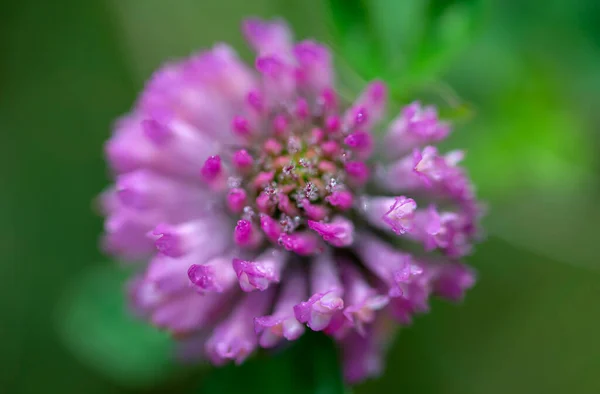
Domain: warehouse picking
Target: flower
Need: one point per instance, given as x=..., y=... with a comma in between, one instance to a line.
x=248, y=194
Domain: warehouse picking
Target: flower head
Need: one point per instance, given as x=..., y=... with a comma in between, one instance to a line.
x=247, y=190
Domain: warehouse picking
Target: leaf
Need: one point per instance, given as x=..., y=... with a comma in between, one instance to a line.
x=308, y=366
x=449, y=26
x=325, y=365
x=399, y=27
x=408, y=43
x=95, y=325
x=356, y=36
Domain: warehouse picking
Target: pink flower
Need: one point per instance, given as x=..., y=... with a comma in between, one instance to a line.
x=247, y=191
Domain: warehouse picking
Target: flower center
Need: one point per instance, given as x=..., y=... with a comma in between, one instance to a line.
x=302, y=168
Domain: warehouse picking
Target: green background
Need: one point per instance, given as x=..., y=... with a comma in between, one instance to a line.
x=528, y=77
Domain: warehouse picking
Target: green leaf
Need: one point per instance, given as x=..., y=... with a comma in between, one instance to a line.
x=96, y=326
x=409, y=43
x=357, y=40
x=399, y=26
x=308, y=366
x=448, y=27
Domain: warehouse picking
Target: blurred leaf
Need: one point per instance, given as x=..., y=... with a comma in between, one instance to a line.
x=448, y=27
x=538, y=143
x=95, y=324
x=458, y=113
x=308, y=366
x=399, y=27
x=451, y=107
x=409, y=43
x=356, y=36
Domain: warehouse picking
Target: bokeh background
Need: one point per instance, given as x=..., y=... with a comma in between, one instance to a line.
x=521, y=78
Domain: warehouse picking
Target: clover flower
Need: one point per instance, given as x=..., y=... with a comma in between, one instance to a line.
x=263, y=205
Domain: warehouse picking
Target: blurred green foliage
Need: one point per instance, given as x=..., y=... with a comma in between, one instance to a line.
x=96, y=324
x=307, y=366
x=407, y=43
x=526, y=70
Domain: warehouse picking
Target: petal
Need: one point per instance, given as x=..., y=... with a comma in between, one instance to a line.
x=302, y=243
x=268, y=37
x=415, y=126
x=234, y=338
x=214, y=276
x=318, y=311
x=261, y=273
x=315, y=71
x=339, y=232
x=369, y=108
x=282, y=323
x=362, y=301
